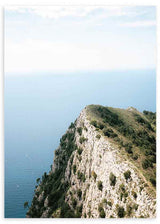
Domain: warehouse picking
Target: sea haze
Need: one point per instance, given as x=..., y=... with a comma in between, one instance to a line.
x=39, y=109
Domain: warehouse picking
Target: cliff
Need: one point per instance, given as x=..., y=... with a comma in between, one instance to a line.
x=104, y=167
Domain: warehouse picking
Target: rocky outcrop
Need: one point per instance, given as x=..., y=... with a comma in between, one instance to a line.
x=99, y=179
x=100, y=158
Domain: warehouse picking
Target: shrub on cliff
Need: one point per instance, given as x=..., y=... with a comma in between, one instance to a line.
x=79, y=193
x=38, y=180
x=135, y=156
x=98, y=136
x=102, y=214
x=79, y=150
x=71, y=125
x=100, y=125
x=134, y=194
x=120, y=211
x=74, y=168
x=109, y=203
x=112, y=179
x=122, y=187
x=94, y=123
x=128, y=148
x=81, y=176
x=79, y=130
x=127, y=174
x=146, y=163
x=74, y=203
x=101, y=211
x=82, y=139
x=66, y=211
x=100, y=185
x=109, y=133
x=153, y=181
x=79, y=211
x=129, y=210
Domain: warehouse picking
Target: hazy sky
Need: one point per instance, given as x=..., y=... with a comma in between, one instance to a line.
x=64, y=39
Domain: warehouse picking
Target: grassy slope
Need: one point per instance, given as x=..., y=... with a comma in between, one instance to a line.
x=136, y=136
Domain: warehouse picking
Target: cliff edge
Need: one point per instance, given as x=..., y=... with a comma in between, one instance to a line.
x=104, y=167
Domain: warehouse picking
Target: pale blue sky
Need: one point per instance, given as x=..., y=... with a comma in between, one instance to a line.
x=64, y=39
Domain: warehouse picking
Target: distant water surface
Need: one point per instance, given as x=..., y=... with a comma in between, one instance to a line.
x=39, y=109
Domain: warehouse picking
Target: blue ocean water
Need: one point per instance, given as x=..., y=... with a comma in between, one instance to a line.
x=40, y=107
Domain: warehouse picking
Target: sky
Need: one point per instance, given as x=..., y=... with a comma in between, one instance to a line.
x=79, y=38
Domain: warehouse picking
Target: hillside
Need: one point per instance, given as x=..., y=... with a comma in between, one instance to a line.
x=105, y=166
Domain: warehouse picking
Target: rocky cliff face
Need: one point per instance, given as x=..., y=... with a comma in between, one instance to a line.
x=96, y=177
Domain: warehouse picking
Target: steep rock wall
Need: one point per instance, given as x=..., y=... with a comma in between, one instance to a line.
x=100, y=158
x=98, y=180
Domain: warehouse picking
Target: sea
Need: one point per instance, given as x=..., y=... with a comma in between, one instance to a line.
x=39, y=107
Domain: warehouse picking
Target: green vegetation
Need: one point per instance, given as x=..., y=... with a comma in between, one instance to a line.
x=134, y=194
x=150, y=116
x=128, y=148
x=146, y=163
x=101, y=211
x=109, y=203
x=135, y=206
x=79, y=130
x=120, y=211
x=82, y=139
x=143, y=122
x=135, y=156
x=109, y=133
x=89, y=213
x=81, y=176
x=123, y=195
x=129, y=210
x=134, y=132
x=74, y=203
x=127, y=174
x=71, y=126
x=74, y=168
x=97, y=125
x=38, y=180
x=102, y=214
x=79, y=211
x=51, y=183
x=100, y=185
x=79, y=158
x=94, y=123
x=112, y=179
x=123, y=192
x=153, y=181
x=79, y=150
x=84, y=195
x=130, y=207
x=107, y=116
x=79, y=193
x=98, y=136
x=122, y=187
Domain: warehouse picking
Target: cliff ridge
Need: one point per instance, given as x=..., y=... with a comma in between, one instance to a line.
x=100, y=168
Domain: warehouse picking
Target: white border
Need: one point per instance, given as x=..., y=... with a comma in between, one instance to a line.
x=74, y=2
